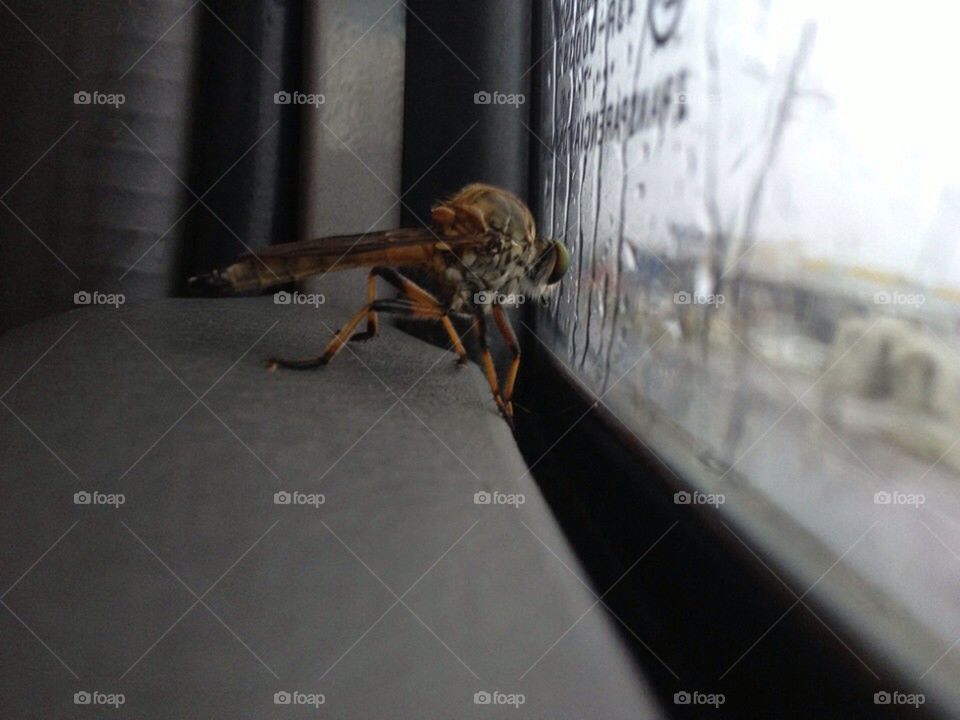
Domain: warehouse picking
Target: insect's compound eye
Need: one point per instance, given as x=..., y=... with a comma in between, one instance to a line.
x=561, y=262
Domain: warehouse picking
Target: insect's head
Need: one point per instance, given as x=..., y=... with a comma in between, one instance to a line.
x=551, y=264
x=561, y=261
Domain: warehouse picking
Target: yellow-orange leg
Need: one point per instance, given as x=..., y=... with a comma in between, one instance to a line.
x=415, y=302
x=373, y=323
x=488, y=367
x=503, y=324
x=454, y=336
x=420, y=298
x=335, y=345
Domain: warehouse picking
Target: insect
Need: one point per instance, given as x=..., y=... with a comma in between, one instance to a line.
x=481, y=250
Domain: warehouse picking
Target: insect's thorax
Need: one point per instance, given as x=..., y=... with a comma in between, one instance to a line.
x=495, y=272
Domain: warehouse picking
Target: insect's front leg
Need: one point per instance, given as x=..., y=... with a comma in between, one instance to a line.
x=489, y=370
x=506, y=330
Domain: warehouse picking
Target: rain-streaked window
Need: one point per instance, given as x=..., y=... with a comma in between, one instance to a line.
x=762, y=200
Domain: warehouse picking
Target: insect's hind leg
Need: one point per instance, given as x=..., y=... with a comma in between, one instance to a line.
x=400, y=306
x=335, y=345
x=422, y=304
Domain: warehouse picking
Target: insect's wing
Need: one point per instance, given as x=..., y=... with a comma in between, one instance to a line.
x=279, y=264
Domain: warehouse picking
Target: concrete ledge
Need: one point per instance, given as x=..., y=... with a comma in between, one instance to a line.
x=398, y=597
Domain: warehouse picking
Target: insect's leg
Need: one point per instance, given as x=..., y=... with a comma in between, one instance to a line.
x=488, y=368
x=503, y=324
x=332, y=348
x=373, y=323
x=422, y=299
x=455, y=340
x=399, y=306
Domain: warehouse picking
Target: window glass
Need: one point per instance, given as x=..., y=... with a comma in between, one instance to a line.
x=762, y=203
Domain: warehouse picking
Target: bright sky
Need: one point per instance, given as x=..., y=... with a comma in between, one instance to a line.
x=865, y=175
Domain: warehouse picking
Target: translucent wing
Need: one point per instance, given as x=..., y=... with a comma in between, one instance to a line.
x=280, y=264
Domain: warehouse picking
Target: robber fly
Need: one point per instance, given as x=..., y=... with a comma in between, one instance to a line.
x=482, y=247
